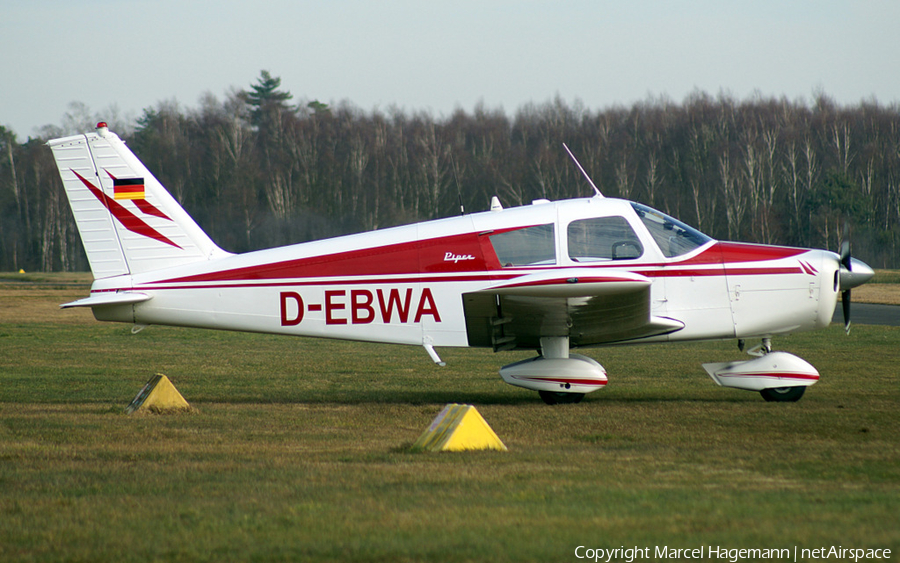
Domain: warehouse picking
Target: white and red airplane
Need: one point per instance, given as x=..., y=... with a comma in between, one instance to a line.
x=549, y=276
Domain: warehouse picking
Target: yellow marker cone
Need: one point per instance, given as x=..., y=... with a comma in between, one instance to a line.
x=158, y=396
x=458, y=428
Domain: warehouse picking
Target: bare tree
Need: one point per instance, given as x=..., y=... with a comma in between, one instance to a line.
x=735, y=202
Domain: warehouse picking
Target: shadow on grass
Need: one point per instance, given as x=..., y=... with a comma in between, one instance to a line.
x=426, y=397
x=392, y=398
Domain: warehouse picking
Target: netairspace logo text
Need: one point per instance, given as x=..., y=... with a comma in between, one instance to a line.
x=732, y=555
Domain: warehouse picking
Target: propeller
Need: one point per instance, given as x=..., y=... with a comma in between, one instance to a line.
x=853, y=273
x=846, y=264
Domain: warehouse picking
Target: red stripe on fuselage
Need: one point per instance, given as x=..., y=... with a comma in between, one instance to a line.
x=326, y=281
x=672, y=273
x=417, y=261
x=735, y=252
x=185, y=283
x=404, y=258
x=560, y=281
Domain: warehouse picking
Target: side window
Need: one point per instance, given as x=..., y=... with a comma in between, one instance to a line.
x=603, y=238
x=523, y=247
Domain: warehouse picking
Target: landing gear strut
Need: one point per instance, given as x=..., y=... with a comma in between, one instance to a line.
x=760, y=349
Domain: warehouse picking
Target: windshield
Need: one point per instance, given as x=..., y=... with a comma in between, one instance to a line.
x=673, y=237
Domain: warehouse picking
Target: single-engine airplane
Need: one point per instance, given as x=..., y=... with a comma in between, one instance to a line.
x=549, y=277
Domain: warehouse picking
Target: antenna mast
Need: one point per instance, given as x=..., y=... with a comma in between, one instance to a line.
x=588, y=178
x=462, y=208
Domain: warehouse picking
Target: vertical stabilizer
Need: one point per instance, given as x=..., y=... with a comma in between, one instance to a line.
x=128, y=222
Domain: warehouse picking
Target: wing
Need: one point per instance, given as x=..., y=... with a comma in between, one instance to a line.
x=589, y=306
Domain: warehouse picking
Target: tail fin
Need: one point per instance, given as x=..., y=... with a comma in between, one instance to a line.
x=128, y=222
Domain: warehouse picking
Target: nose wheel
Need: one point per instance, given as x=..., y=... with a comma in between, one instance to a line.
x=779, y=377
x=774, y=394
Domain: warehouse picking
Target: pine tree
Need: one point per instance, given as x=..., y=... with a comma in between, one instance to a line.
x=265, y=100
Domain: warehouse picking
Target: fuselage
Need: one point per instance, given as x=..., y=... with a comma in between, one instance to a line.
x=408, y=284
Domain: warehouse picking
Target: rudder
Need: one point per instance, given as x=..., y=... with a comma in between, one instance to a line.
x=128, y=222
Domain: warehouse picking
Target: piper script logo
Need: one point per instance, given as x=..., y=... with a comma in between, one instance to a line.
x=450, y=257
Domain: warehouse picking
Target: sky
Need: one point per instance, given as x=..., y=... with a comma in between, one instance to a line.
x=437, y=56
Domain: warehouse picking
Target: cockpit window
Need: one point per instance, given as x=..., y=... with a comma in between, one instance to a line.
x=603, y=238
x=530, y=246
x=673, y=237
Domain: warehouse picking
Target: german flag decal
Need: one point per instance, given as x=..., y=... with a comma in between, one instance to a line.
x=128, y=219
x=128, y=188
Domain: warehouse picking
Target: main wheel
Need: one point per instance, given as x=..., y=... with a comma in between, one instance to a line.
x=783, y=394
x=557, y=398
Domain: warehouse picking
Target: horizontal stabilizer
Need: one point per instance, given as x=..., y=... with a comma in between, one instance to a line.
x=102, y=299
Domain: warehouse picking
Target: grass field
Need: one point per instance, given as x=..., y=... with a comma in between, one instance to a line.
x=298, y=449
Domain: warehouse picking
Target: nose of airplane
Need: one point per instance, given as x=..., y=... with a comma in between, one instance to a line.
x=855, y=274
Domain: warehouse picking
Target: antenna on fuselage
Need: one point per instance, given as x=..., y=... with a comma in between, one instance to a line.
x=462, y=208
x=588, y=178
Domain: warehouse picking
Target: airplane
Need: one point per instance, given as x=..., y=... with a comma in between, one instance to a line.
x=550, y=276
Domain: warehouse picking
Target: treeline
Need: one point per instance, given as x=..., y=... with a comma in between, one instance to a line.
x=257, y=171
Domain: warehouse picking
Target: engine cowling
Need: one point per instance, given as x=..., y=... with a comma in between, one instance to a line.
x=575, y=374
